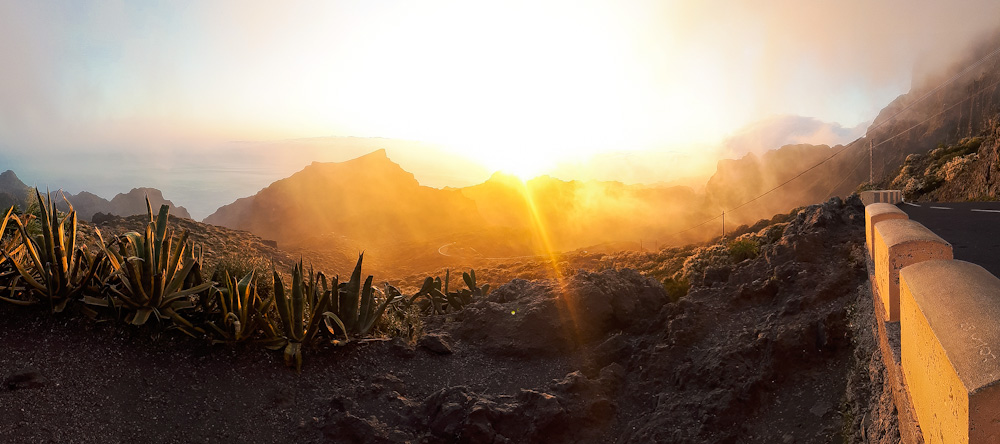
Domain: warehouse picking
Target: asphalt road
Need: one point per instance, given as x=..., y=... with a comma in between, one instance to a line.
x=972, y=228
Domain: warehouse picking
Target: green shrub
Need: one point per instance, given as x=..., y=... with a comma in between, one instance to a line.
x=744, y=249
x=676, y=288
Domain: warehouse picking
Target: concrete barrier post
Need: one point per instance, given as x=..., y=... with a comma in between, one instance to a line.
x=874, y=214
x=897, y=244
x=950, y=342
x=881, y=196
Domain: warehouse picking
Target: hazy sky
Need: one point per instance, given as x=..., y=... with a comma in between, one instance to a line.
x=499, y=81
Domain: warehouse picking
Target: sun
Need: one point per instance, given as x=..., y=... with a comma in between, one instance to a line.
x=521, y=160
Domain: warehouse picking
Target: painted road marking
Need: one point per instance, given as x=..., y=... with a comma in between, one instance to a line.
x=941, y=208
x=986, y=211
x=912, y=205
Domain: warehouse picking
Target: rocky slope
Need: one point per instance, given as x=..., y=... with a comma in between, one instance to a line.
x=966, y=170
x=772, y=348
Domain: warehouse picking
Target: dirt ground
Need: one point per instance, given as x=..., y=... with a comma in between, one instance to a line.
x=768, y=350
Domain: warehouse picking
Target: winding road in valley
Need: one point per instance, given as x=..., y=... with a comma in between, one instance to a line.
x=972, y=228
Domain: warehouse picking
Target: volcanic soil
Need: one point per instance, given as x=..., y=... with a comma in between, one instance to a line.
x=776, y=348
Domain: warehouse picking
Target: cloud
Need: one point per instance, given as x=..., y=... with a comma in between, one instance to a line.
x=662, y=80
x=777, y=131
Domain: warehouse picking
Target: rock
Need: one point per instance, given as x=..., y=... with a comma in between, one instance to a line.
x=100, y=218
x=437, y=343
x=348, y=428
x=534, y=318
x=614, y=349
x=820, y=409
x=759, y=290
x=25, y=379
x=401, y=348
x=717, y=274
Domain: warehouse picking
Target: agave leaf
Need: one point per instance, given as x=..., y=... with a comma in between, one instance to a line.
x=188, y=292
x=281, y=300
x=390, y=298
x=178, y=319
x=58, y=307
x=454, y=301
x=470, y=281
x=428, y=284
x=23, y=303
x=175, y=260
x=321, y=306
x=349, y=311
x=298, y=305
x=29, y=245
x=293, y=355
x=178, y=278
x=161, y=227
x=141, y=316
x=24, y=272
x=3, y=225
x=439, y=300
x=100, y=302
x=367, y=298
x=332, y=317
x=46, y=224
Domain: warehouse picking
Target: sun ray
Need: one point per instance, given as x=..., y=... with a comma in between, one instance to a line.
x=567, y=300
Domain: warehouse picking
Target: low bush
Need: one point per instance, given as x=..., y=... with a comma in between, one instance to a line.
x=676, y=288
x=743, y=249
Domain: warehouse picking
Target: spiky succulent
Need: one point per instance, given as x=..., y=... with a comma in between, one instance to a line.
x=357, y=305
x=54, y=268
x=156, y=273
x=238, y=312
x=438, y=300
x=301, y=310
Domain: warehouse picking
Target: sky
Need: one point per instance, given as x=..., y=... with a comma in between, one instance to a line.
x=528, y=87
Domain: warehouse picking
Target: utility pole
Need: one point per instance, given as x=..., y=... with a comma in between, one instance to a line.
x=723, y=227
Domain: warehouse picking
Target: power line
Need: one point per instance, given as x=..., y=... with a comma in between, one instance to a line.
x=994, y=84
x=937, y=88
x=870, y=130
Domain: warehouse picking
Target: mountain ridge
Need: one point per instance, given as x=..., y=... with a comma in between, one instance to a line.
x=15, y=192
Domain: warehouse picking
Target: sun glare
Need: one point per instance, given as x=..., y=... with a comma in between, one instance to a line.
x=524, y=165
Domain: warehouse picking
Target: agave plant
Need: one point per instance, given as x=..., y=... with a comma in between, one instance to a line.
x=432, y=289
x=474, y=291
x=54, y=268
x=301, y=310
x=440, y=301
x=13, y=250
x=239, y=311
x=357, y=305
x=155, y=273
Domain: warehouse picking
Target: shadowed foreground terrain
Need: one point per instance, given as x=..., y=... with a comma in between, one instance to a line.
x=776, y=347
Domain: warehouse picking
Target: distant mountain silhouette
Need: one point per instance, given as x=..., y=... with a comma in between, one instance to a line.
x=369, y=199
x=15, y=192
x=88, y=204
x=12, y=190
